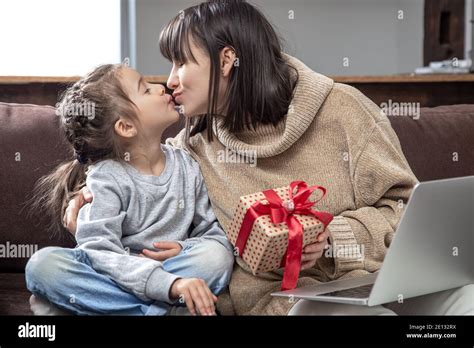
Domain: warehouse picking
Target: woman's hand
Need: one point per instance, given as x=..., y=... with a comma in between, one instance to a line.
x=312, y=252
x=196, y=294
x=75, y=204
x=169, y=249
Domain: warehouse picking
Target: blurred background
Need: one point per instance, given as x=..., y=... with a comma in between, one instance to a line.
x=402, y=50
x=333, y=37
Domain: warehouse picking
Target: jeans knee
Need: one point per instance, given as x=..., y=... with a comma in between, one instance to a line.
x=44, y=267
x=219, y=258
x=219, y=263
x=206, y=259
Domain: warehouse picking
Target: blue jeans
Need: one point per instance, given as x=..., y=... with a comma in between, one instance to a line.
x=66, y=278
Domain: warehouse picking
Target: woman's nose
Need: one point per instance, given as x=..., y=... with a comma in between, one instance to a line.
x=173, y=80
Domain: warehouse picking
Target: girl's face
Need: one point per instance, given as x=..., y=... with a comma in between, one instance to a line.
x=190, y=82
x=156, y=109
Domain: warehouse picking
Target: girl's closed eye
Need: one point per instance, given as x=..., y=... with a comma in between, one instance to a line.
x=147, y=91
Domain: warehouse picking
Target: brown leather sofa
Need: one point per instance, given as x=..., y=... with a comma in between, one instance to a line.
x=440, y=144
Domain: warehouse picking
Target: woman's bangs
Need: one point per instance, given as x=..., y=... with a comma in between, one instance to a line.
x=175, y=42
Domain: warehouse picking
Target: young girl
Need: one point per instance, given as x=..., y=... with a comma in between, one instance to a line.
x=143, y=191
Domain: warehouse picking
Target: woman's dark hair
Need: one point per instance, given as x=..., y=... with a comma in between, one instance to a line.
x=261, y=82
x=87, y=114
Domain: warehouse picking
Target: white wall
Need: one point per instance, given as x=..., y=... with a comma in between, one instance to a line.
x=58, y=37
x=321, y=34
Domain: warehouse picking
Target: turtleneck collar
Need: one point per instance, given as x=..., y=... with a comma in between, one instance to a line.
x=267, y=140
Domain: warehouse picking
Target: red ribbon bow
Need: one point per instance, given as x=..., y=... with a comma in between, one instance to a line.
x=280, y=212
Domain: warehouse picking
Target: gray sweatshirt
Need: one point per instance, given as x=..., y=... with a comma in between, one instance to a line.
x=130, y=211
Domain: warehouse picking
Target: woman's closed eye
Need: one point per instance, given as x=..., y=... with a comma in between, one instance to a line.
x=147, y=91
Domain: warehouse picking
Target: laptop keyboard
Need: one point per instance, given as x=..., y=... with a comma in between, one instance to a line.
x=359, y=292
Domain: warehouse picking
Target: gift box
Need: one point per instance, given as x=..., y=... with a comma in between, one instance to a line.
x=270, y=228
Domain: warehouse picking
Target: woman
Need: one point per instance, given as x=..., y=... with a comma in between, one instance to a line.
x=240, y=94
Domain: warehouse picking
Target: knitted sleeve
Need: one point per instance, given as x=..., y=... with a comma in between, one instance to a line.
x=383, y=182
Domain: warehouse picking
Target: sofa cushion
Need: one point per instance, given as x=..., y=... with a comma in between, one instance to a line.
x=14, y=296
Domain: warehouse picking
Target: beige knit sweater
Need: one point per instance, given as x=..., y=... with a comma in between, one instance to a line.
x=332, y=136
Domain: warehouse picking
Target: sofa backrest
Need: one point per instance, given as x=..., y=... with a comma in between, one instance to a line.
x=31, y=146
x=440, y=143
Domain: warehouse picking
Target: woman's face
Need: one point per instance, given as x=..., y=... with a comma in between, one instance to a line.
x=190, y=82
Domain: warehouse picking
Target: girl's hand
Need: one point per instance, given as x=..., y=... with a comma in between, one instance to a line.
x=197, y=295
x=169, y=249
x=312, y=252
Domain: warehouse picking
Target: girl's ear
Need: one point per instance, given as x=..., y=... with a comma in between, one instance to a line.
x=228, y=59
x=125, y=128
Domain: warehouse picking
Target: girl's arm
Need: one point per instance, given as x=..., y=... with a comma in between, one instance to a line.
x=205, y=224
x=99, y=234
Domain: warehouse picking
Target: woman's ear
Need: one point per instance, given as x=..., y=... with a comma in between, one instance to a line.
x=228, y=59
x=125, y=128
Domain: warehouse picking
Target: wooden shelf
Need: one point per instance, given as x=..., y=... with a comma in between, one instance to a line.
x=408, y=78
x=428, y=90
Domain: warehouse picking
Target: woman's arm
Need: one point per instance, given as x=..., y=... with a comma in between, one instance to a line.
x=383, y=181
x=80, y=198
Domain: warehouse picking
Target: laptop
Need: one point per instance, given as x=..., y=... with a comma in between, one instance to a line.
x=432, y=250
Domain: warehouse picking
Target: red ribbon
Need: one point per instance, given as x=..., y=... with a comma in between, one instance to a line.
x=298, y=204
